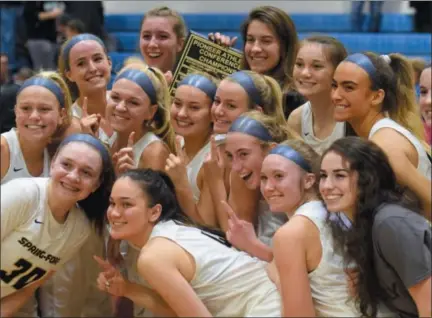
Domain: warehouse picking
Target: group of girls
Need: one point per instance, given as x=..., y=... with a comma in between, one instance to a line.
x=129, y=199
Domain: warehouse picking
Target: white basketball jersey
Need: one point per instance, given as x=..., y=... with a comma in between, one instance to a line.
x=307, y=132
x=32, y=241
x=194, y=167
x=229, y=282
x=142, y=144
x=17, y=165
x=424, y=164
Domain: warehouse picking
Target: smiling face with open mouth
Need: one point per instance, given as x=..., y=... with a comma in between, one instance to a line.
x=90, y=67
x=262, y=47
x=158, y=42
x=129, y=214
x=76, y=171
x=312, y=71
x=128, y=107
x=38, y=114
x=246, y=156
x=190, y=112
x=231, y=100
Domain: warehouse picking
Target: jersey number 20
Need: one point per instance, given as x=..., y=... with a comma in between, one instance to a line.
x=26, y=270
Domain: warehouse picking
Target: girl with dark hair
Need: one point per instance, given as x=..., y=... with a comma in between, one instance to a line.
x=375, y=95
x=184, y=278
x=270, y=48
x=309, y=273
x=316, y=61
x=45, y=221
x=389, y=243
x=425, y=101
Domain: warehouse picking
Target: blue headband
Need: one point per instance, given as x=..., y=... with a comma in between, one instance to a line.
x=143, y=80
x=200, y=82
x=245, y=81
x=364, y=62
x=75, y=40
x=250, y=127
x=90, y=140
x=292, y=155
x=49, y=84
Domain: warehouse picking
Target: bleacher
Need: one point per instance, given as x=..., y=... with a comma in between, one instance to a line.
x=396, y=32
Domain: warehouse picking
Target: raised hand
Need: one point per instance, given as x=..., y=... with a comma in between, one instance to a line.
x=110, y=280
x=175, y=166
x=213, y=163
x=240, y=233
x=221, y=39
x=89, y=123
x=124, y=158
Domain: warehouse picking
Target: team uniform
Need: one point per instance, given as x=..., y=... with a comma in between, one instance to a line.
x=72, y=291
x=230, y=283
x=17, y=165
x=194, y=167
x=424, y=163
x=268, y=222
x=328, y=281
x=32, y=241
x=307, y=132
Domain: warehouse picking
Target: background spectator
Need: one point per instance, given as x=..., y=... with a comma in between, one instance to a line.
x=41, y=32
x=74, y=27
x=375, y=8
x=8, y=93
x=422, y=20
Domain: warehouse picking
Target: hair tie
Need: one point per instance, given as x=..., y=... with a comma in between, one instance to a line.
x=49, y=84
x=200, y=82
x=90, y=140
x=75, y=40
x=143, y=80
x=244, y=80
x=251, y=127
x=386, y=58
x=364, y=62
x=289, y=153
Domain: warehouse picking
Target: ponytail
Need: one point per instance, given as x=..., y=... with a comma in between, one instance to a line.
x=406, y=114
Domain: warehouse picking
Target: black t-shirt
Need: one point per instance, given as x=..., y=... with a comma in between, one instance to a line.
x=37, y=29
x=402, y=255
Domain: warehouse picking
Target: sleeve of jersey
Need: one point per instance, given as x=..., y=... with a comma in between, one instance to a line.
x=17, y=199
x=405, y=243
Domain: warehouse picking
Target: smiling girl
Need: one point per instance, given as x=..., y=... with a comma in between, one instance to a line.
x=85, y=64
x=375, y=95
x=42, y=114
x=389, y=243
x=310, y=274
x=162, y=36
x=315, y=64
x=183, y=278
x=191, y=119
x=138, y=112
x=45, y=221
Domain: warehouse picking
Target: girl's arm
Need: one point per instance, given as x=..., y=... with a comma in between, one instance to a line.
x=165, y=265
x=154, y=156
x=5, y=157
x=397, y=148
x=289, y=249
x=12, y=303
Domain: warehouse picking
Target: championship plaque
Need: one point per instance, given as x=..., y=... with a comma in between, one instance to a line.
x=203, y=55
